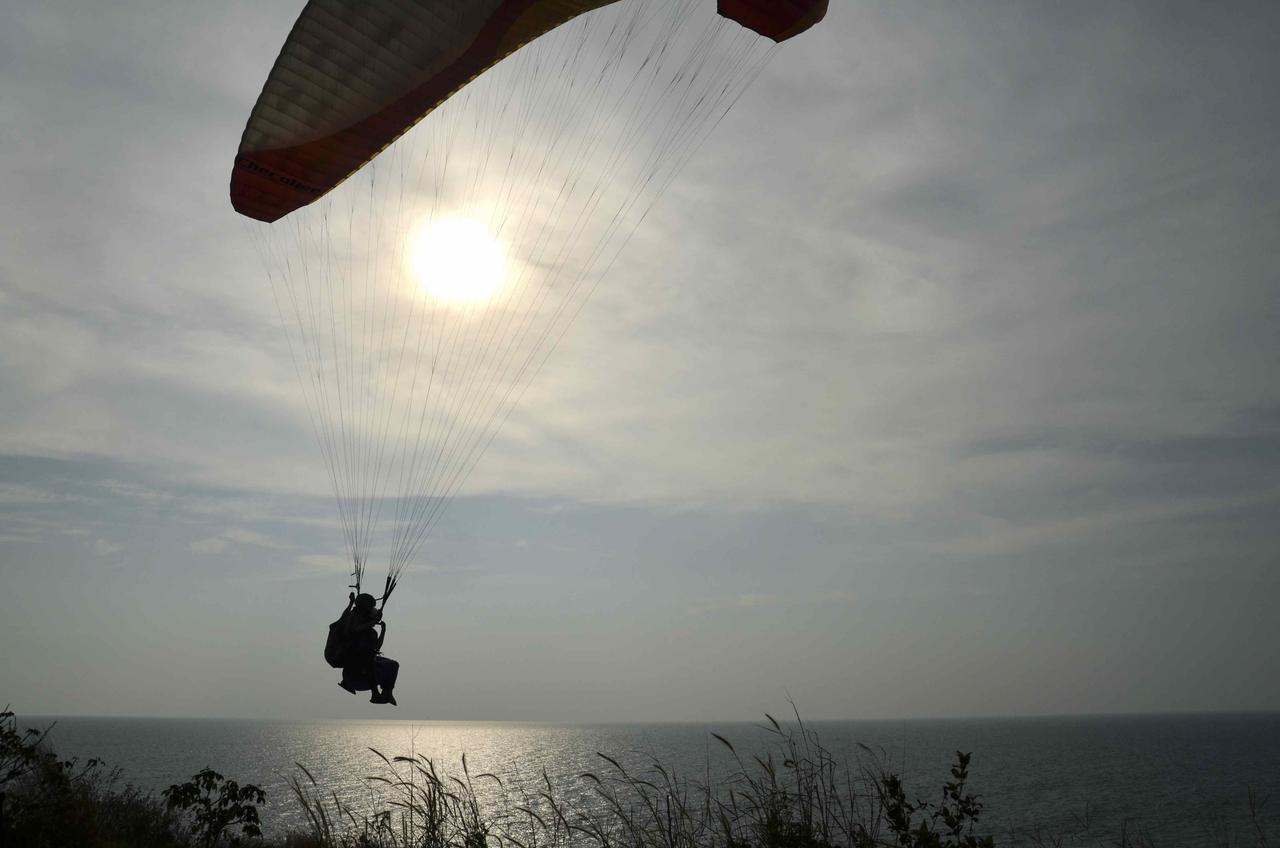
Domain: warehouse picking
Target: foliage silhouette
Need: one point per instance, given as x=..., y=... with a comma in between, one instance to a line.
x=794, y=795
x=957, y=813
x=53, y=803
x=216, y=805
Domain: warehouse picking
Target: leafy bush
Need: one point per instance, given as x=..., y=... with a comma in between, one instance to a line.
x=216, y=805
x=48, y=801
x=949, y=824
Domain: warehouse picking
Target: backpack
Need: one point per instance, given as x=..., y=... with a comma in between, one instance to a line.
x=335, y=646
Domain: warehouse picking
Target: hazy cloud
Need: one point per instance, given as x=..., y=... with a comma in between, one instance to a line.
x=965, y=318
x=102, y=548
x=212, y=545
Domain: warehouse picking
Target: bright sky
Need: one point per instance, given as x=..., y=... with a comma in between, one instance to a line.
x=941, y=383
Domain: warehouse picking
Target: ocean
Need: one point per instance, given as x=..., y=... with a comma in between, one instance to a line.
x=1182, y=780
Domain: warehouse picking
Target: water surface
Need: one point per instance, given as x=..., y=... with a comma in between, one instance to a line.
x=1183, y=779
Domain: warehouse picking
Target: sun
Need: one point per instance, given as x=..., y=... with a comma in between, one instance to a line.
x=457, y=261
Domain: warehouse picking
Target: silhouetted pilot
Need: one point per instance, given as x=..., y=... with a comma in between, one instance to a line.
x=362, y=667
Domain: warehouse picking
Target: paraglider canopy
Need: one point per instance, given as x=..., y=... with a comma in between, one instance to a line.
x=776, y=19
x=353, y=76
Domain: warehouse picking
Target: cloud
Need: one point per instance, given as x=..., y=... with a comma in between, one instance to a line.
x=251, y=537
x=238, y=535
x=325, y=563
x=954, y=301
x=103, y=548
x=748, y=601
x=212, y=545
x=15, y=493
x=939, y=274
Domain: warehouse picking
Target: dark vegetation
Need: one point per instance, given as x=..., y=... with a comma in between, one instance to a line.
x=795, y=796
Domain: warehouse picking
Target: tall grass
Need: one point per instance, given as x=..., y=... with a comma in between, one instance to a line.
x=797, y=795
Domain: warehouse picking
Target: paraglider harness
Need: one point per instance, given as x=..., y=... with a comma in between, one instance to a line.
x=335, y=647
x=338, y=642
